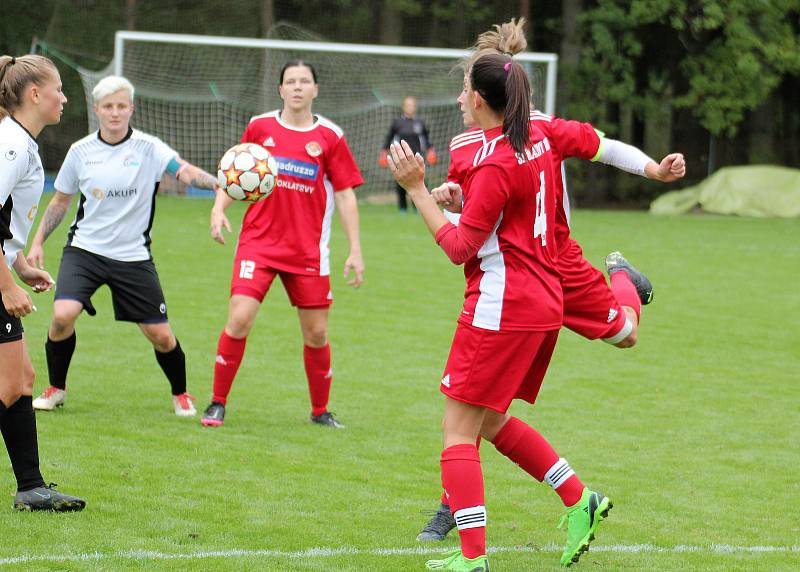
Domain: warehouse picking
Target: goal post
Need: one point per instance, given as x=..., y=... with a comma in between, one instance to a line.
x=198, y=92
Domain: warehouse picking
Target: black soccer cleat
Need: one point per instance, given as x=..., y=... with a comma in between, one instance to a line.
x=327, y=419
x=615, y=262
x=440, y=524
x=214, y=415
x=47, y=498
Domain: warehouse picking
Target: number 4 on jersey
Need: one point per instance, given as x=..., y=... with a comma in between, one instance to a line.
x=540, y=222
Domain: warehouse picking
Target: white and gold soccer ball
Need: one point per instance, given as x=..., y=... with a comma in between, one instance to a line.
x=247, y=172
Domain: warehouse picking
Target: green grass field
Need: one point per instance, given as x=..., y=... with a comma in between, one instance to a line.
x=693, y=433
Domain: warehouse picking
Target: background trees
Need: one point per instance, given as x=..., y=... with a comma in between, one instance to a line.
x=716, y=79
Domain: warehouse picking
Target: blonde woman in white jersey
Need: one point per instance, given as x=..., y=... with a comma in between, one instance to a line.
x=115, y=172
x=30, y=99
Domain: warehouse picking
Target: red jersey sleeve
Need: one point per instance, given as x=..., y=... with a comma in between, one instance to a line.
x=460, y=243
x=572, y=138
x=489, y=190
x=341, y=167
x=453, y=173
x=246, y=135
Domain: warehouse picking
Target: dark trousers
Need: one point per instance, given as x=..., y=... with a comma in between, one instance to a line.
x=402, y=202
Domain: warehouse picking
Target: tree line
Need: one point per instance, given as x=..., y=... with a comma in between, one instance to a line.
x=718, y=80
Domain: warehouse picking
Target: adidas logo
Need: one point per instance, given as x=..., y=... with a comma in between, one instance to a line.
x=330, y=295
x=221, y=360
x=269, y=142
x=612, y=313
x=446, y=380
x=329, y=375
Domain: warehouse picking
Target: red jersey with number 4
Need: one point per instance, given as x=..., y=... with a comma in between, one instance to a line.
x=567, y=139
x=290, y=229
x=512, y=282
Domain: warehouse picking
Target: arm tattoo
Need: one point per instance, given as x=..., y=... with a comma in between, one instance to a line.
x=203, y=180
x=52, y=218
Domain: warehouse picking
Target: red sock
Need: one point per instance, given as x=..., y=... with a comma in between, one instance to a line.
x=527, y=448
x=625, y=292
x=320, y=376
x=444, y=493
x=463, y=480
x=229, y=356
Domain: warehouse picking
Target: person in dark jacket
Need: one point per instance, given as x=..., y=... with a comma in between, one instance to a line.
x=411, y=129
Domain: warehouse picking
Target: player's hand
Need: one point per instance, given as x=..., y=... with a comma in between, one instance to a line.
x=672, y=168
x=448, y=195
x=354, y=264
x=17, y=302
x=38, y=279
x=431, y=157
x=407, y=167
x=36, y=256
x=383, y=159
x=218, y=222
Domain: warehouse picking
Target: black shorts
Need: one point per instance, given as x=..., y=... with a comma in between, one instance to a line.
x=10, y=327
x=135, y=289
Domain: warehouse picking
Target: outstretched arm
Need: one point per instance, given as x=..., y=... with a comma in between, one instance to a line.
x=196, y=177
x=53, y=215
x=671, y=168
x=633, y=160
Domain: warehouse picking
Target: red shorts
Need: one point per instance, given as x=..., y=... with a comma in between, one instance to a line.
x=590, y=307
x=250, y=278
x=490, y=368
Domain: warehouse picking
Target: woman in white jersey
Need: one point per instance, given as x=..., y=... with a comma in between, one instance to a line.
x=116, y=172
x=30, y=99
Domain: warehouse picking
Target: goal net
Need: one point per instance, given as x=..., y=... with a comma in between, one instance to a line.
x=197, y=93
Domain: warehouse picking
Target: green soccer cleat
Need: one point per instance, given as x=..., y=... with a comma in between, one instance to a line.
x=457, y=561
x=582, y=521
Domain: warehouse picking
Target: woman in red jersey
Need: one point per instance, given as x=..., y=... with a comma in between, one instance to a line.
x=592, y=308
x=513, y=303
x=287, y=235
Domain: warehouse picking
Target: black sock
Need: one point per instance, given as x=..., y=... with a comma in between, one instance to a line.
x=173, y=363
x=18, y=426
x=59, y=354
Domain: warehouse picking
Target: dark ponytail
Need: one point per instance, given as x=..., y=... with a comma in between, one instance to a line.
x=504, y=85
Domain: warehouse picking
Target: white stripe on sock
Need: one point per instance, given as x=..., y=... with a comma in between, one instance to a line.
x=621, y=335
x=558, y=473
x=472, y=517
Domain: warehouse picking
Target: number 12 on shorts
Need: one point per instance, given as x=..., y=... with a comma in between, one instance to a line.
x=246, y=269
x=540, y=222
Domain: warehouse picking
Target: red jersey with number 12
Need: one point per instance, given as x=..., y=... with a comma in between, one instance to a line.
x=290, y=230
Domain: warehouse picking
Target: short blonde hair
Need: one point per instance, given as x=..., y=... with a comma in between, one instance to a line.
x=109, y=85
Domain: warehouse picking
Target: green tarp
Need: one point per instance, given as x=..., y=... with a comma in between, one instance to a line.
x=757, y=191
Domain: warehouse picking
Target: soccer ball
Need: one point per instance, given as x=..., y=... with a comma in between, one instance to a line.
x=247, y=172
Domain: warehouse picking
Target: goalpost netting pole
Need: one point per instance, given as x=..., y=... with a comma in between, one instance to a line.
x=198, y=92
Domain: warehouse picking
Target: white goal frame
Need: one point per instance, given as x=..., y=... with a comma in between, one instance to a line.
x=551, y=60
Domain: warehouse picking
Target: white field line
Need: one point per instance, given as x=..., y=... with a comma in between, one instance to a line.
x=321, y=552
